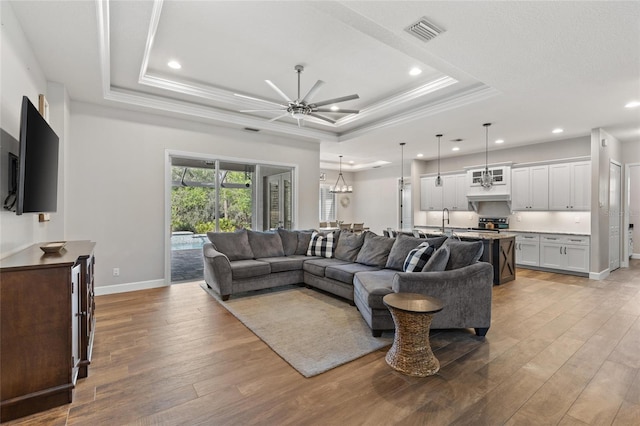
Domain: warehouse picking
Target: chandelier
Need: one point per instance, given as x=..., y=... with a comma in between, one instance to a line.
x=487, y=177
x=341, y=189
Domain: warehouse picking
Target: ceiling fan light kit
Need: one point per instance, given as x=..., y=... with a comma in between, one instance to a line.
x=302, y=107
x=341, y=189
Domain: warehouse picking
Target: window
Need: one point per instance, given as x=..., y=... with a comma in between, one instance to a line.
x=327, y=210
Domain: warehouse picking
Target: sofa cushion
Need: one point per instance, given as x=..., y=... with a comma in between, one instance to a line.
x=463, y=253
x=249, y=268
x=321, y=245
x=348, y=246
x=375, y=250
x=373, y=286
x=235, y=245
x=418, y=258
x=403, y=244
x=438, y=260
x=285, y=263
x=345, y=273
x=265, y=244
x=289, y=241
x=317, y=266
x=304, y=237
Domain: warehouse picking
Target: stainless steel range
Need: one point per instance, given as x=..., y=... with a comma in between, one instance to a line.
x=492, y=224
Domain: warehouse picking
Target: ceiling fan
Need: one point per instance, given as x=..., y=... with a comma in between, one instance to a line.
x=302, y=108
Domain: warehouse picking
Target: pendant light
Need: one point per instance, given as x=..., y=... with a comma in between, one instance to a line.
x=438, y=179
x=402, y=144
x=487, y=177
x=344, y=189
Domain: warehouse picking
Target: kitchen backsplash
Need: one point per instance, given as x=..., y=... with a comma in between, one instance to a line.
x=574, y=222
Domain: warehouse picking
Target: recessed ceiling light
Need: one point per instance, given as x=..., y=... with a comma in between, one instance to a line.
x=420, y=155
x=335, y=108
x=455, y=148
x=632, y=104
x=352, y=162
x=499, y=140
x=558, y=130
x=174, y=64
x=415, y=71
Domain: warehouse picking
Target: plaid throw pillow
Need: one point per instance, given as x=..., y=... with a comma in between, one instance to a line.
x=417, y=258
x=321, y=245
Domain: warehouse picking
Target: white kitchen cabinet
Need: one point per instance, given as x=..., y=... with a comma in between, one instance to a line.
x=528, y=250
x=454, y=188
x=530, y=188
x=568, y=253
x=430, y=194
x=569, y=186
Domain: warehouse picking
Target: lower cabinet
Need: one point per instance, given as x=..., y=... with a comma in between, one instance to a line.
x=528, y=250
x=568, y=253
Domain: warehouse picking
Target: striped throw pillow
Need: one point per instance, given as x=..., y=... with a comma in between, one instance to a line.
x=321, y=245
x=417, y=258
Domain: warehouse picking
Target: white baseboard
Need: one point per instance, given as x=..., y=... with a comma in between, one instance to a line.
x=635, y=256
x=599, y=275
x=123, y=288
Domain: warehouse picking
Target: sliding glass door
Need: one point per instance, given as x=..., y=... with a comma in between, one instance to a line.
x=222, y=196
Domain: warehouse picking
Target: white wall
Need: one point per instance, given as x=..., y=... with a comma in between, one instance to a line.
x=376, y=203
x=20, y=75
x=116, y=183
x=631, y=155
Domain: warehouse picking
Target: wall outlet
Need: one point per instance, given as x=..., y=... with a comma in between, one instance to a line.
x=518, y=218
x=577, y=219
x=116, y=272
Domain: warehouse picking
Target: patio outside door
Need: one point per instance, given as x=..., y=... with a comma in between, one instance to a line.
x=279, y=201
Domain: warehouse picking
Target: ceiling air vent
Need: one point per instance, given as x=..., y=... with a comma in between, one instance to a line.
x=424, y=30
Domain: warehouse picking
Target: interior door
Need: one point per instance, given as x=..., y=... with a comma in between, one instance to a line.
x=614, y=216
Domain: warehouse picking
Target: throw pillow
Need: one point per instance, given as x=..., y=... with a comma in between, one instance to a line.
x=348, y=246
x=375, y=250
x=321, y=245
x=235, y=245
x=402, y=245
x=304, y=237
x=265, y=244
x=463, y=253
x=438, y=260
x=417, y=258
x=289, y=241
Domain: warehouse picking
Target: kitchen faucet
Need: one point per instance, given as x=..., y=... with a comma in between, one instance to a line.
x=443, y=210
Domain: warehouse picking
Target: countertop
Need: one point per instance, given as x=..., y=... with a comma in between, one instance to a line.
x=462, y=233
x=513, y=232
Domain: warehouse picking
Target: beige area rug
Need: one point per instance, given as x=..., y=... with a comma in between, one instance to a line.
x=310, y=330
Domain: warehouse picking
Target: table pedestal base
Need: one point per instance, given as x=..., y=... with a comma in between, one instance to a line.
x=411, y=352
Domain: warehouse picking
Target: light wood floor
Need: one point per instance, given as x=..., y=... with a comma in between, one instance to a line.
x=561, y=350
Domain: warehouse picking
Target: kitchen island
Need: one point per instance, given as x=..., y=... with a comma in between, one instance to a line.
x=499, y=250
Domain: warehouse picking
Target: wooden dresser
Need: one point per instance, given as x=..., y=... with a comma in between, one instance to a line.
x=46, y=326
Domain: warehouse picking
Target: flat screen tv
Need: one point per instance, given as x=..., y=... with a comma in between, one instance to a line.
x=37, y=163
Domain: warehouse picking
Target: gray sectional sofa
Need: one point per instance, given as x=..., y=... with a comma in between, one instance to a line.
x=361, y=269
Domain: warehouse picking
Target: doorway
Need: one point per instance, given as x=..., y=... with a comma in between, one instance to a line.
x=220, y=195
x=615, y=181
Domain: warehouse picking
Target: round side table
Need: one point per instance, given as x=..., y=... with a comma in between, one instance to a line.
x=411, y=352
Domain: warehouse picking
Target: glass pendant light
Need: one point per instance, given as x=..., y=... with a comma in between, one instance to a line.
x=344, y=189
x=438, y=179
x=487, y=177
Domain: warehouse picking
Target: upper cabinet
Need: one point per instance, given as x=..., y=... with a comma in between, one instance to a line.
x=430, y=194
x=570, y=186
x=452, y=194
x=530, y=188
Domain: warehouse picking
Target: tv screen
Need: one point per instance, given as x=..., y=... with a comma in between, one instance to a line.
x=38, y=163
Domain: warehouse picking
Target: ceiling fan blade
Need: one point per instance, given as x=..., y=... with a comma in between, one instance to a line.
x=279, y=117
x=312, y=92
x=340, y=111
x=258, y=99
x=261, y=110
x=334, y=101
x=277, y=89
x=322, y=117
